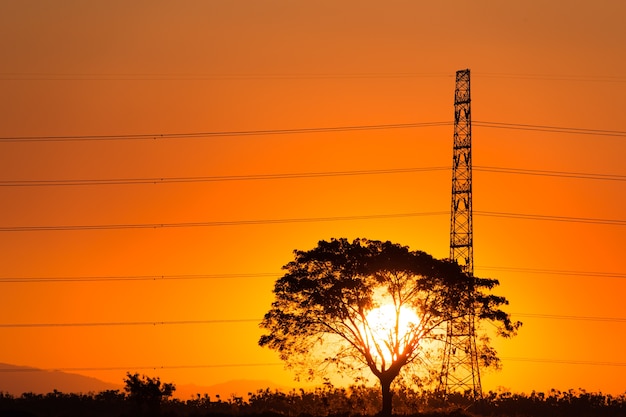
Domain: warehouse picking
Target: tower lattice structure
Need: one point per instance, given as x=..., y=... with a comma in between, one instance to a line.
x=460, y=371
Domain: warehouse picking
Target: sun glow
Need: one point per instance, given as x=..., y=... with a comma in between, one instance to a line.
x=389, y=328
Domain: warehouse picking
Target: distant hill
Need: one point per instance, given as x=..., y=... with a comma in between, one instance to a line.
x=19, y=379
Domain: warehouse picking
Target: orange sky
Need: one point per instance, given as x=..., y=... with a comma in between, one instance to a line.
x=155, y=67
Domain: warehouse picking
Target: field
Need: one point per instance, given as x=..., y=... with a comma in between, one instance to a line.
x=324, y=401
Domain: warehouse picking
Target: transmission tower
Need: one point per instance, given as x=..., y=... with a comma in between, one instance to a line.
x=460, y=370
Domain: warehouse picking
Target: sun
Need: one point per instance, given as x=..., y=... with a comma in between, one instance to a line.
x=389, y=327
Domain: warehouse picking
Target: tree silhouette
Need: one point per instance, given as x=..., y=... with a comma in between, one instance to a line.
x=326, y=307
x=148, y=393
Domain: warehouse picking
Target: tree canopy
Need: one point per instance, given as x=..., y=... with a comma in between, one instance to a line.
x=148, y=393
x=374, y=305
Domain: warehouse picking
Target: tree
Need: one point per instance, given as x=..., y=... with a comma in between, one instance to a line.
x=148, y=393
x=371, y=305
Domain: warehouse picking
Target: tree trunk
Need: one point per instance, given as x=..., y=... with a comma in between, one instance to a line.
x=385, y=386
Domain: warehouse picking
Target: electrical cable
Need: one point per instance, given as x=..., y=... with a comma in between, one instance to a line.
x=123, y=278
x=127, y=323
x=215, y=223
x=564, y=361
x=258, y=320
x=208, y=135
x=127, y=368
x=571, y=317
x=138, y=278
x=237, y=365
x=216, y=178
x=160, y=76
x=324, y=174
x=567, y=219
x=550, y=129
x=547, y=173
x=553, y=77
x=523, y=216
x=44, y=76
x=553, y=272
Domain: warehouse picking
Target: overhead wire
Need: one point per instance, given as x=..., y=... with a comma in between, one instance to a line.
x=214, y=134
x=297, y=175
x=254, y=275
x=553, y=77
x=549, y=129
x=258, y=320
x=123, y=278
x=51, y=76
x=216, y=223
x=566, y=219
x=138, y=367
x=155, y=367
x=564, y=361
x=128, y=323
x=201, y=76
x=570, y=317
x=223, y=223
x=263, y=364
x=563, y=272
x=548, y=173
x=216, y=178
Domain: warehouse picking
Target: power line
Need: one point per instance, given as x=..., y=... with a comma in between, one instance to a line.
x=554, y=77
x=554, y=272
x=153, y=367
x=547, y=173
x=171, y=76
x=240, y=365
x=564, y=361
x=567, y=219
x=137, y=278
x=123, y=278
x=571, y=317
x=214, y=223
x=49, y=76
x=127, y=323
x=550, y=129
x=523, y=216
x=258, y=320
x=208, y=135
x=216, y=178
x=280, y=176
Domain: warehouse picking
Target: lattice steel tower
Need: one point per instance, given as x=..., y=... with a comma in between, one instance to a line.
x=460, y=370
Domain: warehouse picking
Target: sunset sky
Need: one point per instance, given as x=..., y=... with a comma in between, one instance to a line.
x=111, y=88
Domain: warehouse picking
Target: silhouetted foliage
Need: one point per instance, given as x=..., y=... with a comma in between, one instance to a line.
x=148, y=393
x=321, y=313
x=324, y=401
